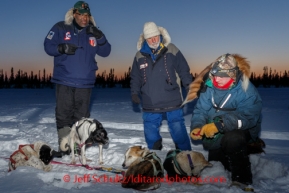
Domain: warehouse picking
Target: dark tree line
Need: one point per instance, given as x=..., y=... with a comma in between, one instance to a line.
x=21, y=79
x=270, y=79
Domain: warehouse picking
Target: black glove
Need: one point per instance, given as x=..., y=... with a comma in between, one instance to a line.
x=135, y=98
x=67, y=48
x=94, y=31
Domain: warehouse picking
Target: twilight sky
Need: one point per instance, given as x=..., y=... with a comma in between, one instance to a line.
x=202, y=30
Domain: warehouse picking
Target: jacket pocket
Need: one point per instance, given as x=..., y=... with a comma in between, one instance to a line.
x=171, y=86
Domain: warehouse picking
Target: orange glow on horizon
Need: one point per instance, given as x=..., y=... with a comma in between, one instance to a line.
x=120, y=70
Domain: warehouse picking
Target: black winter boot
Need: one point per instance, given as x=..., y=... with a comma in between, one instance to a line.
x=158, y=145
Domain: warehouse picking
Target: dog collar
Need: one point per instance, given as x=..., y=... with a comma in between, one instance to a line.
x=190, y=161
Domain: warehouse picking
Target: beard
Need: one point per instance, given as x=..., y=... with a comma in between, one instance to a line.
x=154, y=45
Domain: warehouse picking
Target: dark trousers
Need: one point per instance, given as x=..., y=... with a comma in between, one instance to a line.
x=234, y=156
x=232, y=142
x=71, y=105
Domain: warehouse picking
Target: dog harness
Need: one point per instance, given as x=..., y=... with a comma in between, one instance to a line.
x=151, y=157
x=93, y=134
x=13, y=162
x=173, y=155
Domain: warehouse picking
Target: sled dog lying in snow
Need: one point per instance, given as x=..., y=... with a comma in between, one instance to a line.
x=184, y=163
x=143, y=165
x=37, y=155
x=83, y=132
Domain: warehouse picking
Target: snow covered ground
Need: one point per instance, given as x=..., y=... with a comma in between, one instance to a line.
x=27, y=116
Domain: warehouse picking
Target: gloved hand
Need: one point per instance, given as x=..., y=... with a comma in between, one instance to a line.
x=195, y=134
x=135, y=98
x=94, y=31
x=67, y=48
x=209, y=130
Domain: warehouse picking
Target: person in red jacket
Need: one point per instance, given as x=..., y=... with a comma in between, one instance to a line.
x=74, y=43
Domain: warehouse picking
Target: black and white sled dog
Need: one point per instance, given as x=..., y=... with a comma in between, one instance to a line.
x=83, y=132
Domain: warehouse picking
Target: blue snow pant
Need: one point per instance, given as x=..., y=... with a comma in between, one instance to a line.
x=177, y=128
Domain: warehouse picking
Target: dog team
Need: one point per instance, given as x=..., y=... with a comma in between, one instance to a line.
x=226, y=116
x=137, y=160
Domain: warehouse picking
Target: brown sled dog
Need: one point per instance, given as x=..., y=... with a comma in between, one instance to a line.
x=144, y=169
x=179, y=164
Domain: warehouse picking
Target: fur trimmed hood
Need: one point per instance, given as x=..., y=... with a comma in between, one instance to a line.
x=164, y=33
x=197, y=85
x=69, y=18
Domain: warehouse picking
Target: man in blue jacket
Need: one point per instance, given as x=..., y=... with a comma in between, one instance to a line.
x=74, y=43
x=157, y=70
x=227, y=115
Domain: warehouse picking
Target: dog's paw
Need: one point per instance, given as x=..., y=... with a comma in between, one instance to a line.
x=101, y=162
x=73, y=162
